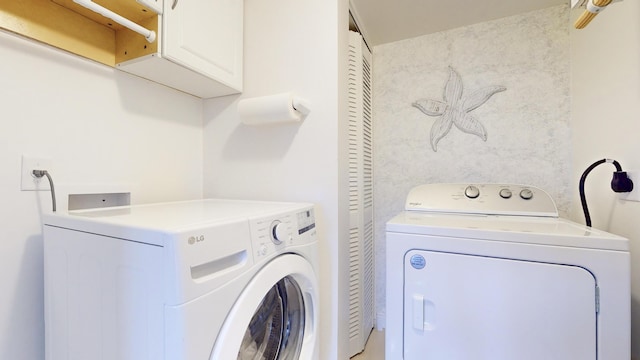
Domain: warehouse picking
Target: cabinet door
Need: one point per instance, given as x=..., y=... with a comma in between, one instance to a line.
x=206, y=37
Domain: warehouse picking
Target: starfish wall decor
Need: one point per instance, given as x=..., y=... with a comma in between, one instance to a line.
x=455, y=109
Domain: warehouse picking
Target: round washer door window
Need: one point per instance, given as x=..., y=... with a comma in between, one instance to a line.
x=275, y=316
x=276, y=330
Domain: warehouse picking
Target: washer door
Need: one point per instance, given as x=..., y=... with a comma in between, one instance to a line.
x=275, y=316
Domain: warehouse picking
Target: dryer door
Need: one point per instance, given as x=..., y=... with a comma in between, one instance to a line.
x=460, y=307
x=275, y=316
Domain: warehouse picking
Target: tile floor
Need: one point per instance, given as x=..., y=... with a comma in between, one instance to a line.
x=374, y=350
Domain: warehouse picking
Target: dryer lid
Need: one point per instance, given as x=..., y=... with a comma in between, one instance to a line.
x=495, y=212
x=506, y=229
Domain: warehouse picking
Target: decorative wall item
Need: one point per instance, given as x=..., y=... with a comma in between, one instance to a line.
x=455, y=109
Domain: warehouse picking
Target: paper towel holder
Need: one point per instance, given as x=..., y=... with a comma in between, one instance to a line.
x=301, y=105
x=273, y=109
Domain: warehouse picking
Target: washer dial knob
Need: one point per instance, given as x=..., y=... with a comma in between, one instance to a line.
x=505, y=193
x=526, y=194
x=472, y=192
x=279, y=232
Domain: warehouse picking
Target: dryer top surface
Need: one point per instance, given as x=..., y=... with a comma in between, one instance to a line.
x=499, y=212
x=521, y=229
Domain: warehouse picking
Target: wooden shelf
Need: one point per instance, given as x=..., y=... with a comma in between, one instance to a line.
x=71, y=27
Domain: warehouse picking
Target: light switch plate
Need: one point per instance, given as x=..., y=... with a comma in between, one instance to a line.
x=634, y=195
x=30, y=182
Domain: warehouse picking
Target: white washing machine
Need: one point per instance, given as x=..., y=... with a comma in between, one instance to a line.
x=490, y=272
x=196, y=280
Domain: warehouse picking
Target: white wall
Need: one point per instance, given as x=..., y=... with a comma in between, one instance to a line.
x=99, y=126
x=527, y=125
x=605, y=114
x=297, y=46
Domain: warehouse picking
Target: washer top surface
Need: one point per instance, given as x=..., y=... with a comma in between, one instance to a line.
x=485, y=212
x=171, y=217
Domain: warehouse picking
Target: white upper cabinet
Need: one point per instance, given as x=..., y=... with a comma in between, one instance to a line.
x=199, y=51
x=205, y=36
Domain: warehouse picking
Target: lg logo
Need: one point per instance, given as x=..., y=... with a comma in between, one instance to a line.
x=195, y=239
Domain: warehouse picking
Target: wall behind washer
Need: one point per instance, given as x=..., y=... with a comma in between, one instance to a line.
x=527, y=125
x=100, y=127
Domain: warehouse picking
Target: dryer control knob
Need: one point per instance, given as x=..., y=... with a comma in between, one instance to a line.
x=472, y=192
x=505, y=193
x=279, y=232
x=526, y=194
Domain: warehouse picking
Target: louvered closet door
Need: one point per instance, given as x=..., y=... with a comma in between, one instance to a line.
x=361, y=256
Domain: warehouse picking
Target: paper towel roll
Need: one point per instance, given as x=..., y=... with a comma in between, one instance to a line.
x=273, y=109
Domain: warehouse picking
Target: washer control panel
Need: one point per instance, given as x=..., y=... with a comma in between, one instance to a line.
x=488, y=199
x=276, y=233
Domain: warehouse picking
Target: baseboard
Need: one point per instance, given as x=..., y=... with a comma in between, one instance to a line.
x=380, y=321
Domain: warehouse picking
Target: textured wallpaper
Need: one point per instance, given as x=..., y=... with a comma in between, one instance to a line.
x=516, y=70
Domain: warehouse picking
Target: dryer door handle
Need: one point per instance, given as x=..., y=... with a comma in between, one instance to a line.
x=418, y=312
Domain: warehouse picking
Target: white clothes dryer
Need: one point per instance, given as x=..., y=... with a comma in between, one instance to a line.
x=491, y=272
x=196, y=280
